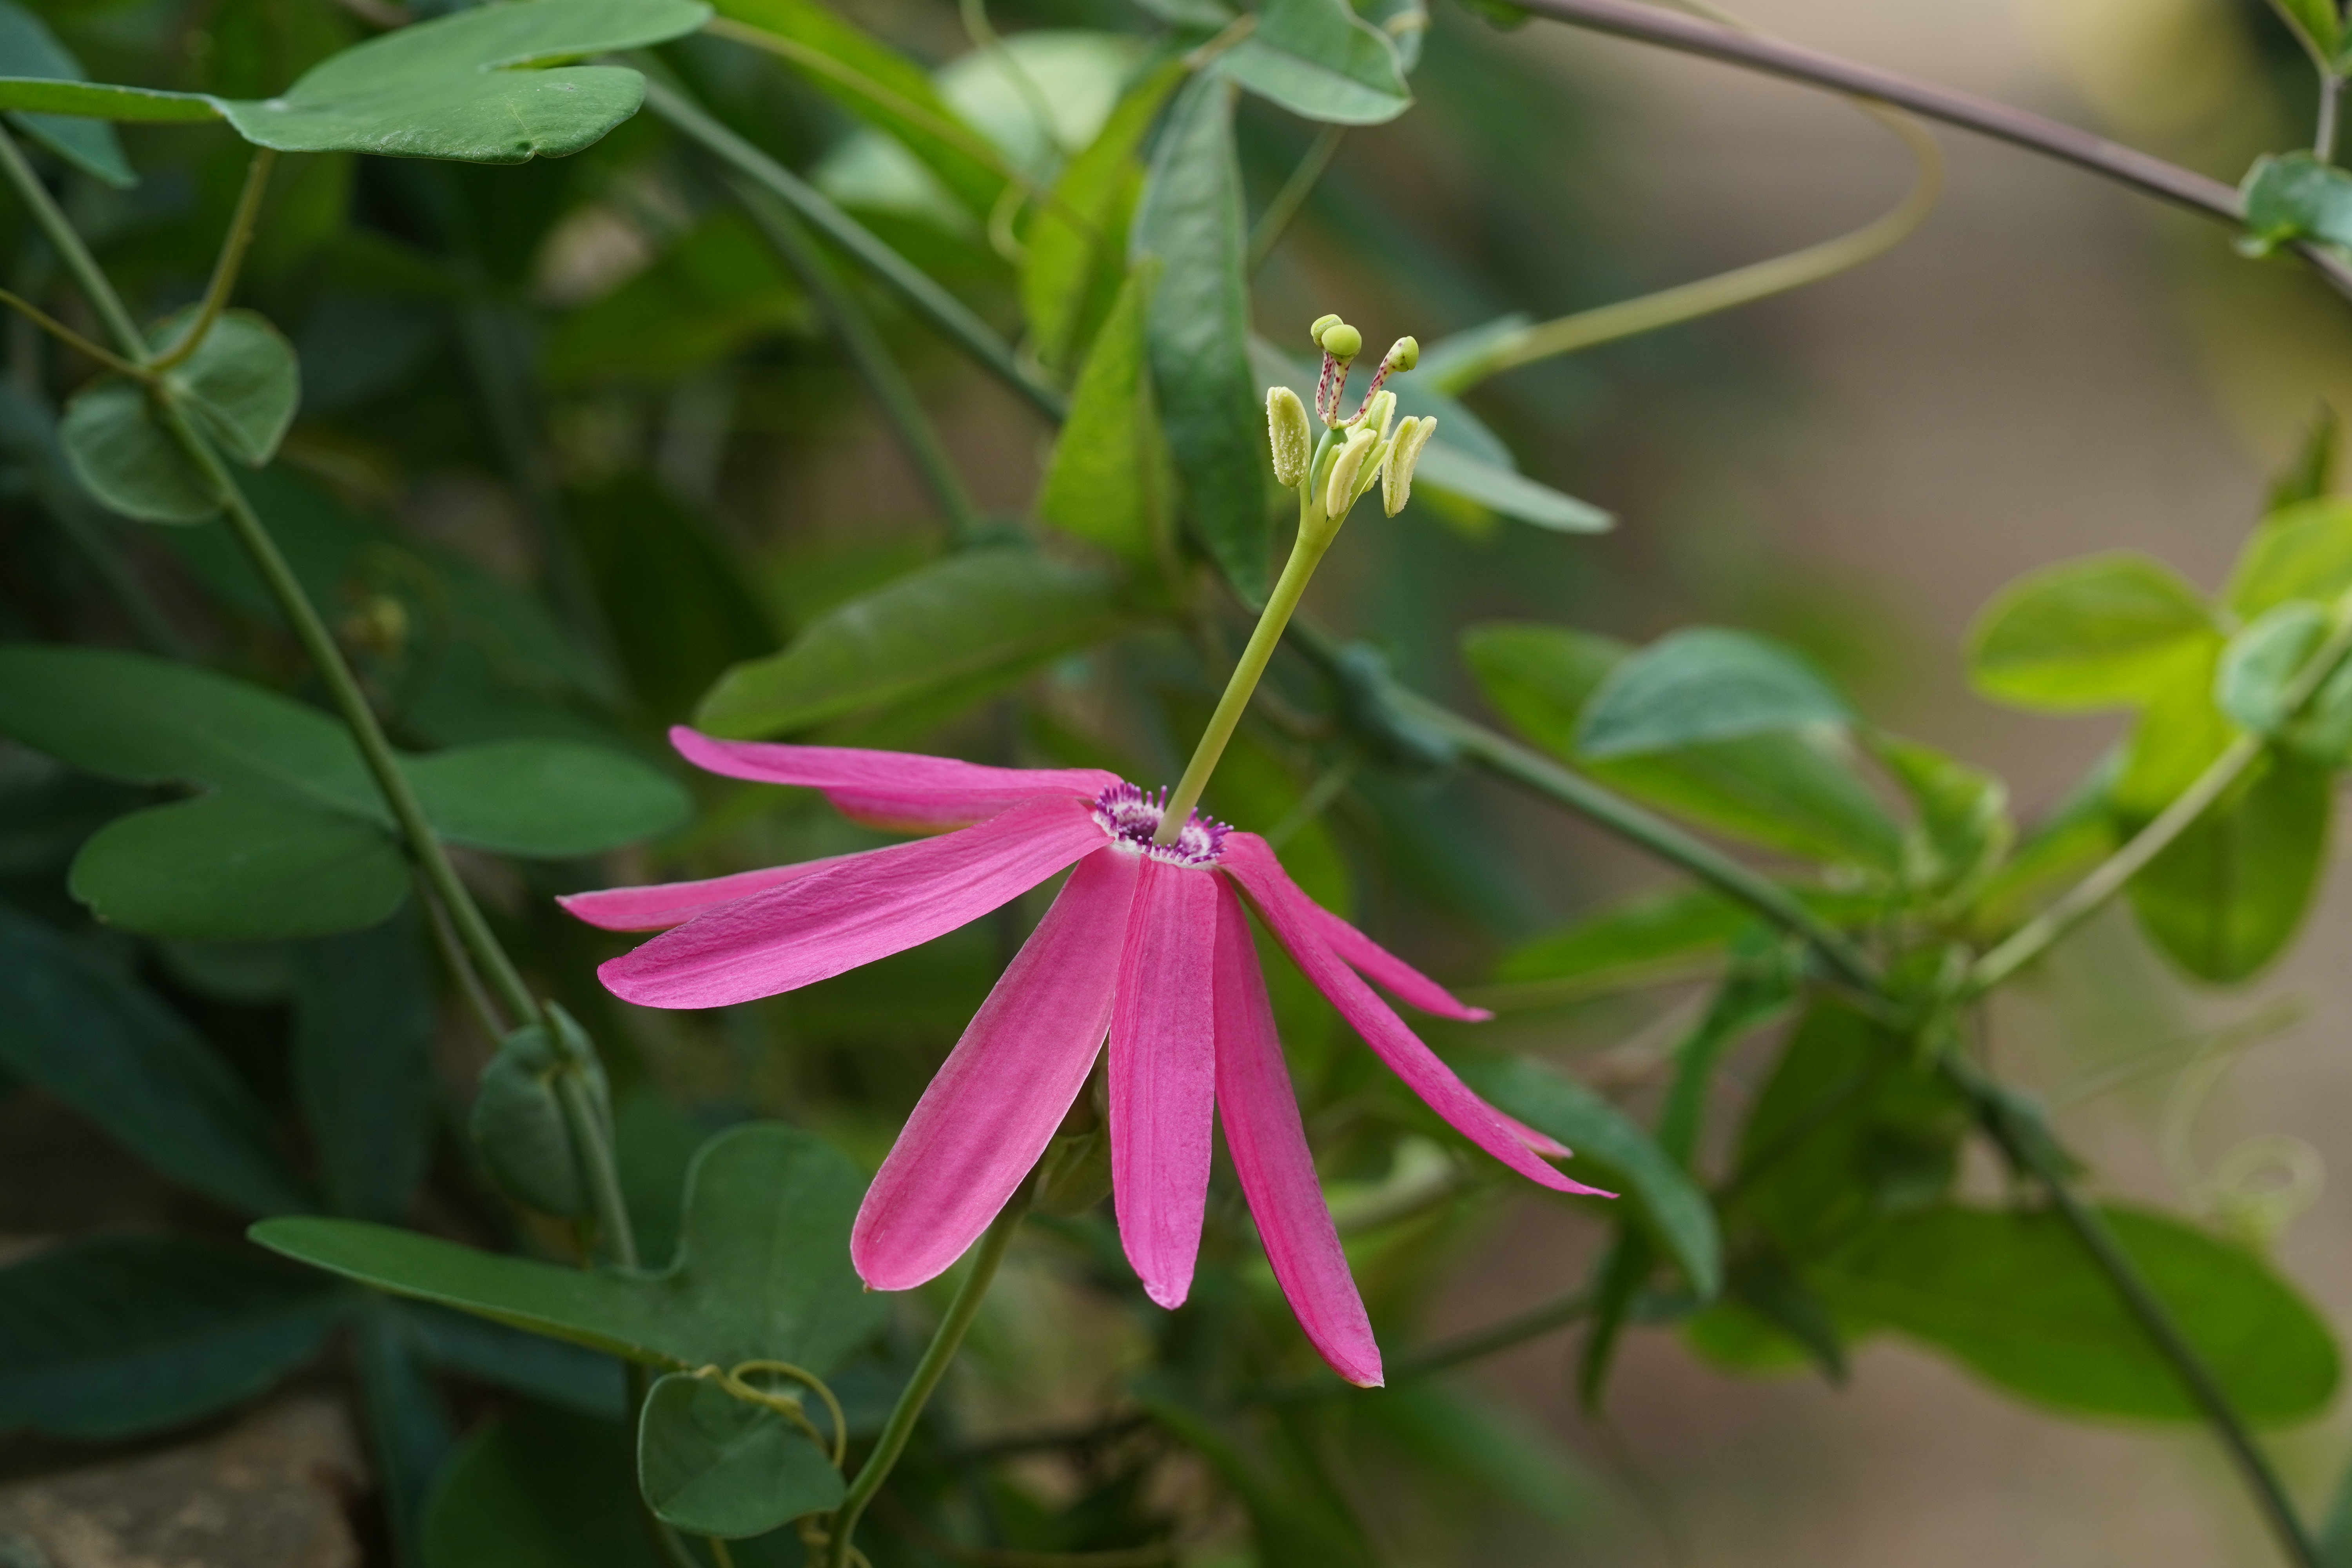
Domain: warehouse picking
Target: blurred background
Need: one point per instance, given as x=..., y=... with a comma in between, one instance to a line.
x=2048, y=367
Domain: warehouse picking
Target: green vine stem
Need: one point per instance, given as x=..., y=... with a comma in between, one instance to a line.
x=942, y=1349
x=1275, y=221
x=867, y=353
x=241, y=226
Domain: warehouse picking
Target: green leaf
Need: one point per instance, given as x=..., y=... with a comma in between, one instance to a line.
x=1700, y=685
x=1640, y=941
x=982, y=619
x=364, y=1029
x=1075, y=258
x=2293, y=196
x=410, y=1433
x=1963, y=827
x=1760, y=988
x=100, y=1042
x=1455, y=471
x=1321, y=61
x=1293, y=1520
x=550, y=800
x=551, y=1371
x=102, y=101
x=1192, y=219
x=716, y=290
x=539, y=1488
x=2102, y=632
x=2178, y=735
x=2260, y=663
x=518, y=1123
x=1497, y=1448
x=1791, y=792
x=242, y=385
x=2301, y=552
x=240, y=866
x=128, y=460
x=2316, y=26
x=2310, y=475
x=1679, y=1213
x=1105, y=483
x=2226, y=896
x=762, y=1274
x=27, y=48
x=2013, y=1297
x=884, y=88
x=110, y=1337
x=715, y=1465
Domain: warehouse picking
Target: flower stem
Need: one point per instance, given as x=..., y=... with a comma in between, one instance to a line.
x=1305, y=554
x=2331, y=97
x=927, y=1372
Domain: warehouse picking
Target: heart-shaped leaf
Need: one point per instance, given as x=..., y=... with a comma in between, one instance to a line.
x=762, y=1271
x=123, y=456
x=242, y=383
x=715, y=1465
x=27, y=48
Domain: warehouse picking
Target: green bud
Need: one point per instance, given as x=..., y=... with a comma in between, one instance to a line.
x=1341, y=341
x=1380, y=413
x=1340, y=490
x=1396, y=468
x=1292, y=437
x=1404, y=354
x=1322, y=324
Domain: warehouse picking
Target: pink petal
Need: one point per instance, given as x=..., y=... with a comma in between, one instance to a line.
x=994, y=1107
x=900, y=788
x=855, y=911
x=1277, y=1174
x=1163, y=1076
x=659, y=906
x=1246, y=855
x=1383, y=968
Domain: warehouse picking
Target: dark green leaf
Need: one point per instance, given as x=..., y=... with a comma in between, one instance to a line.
x=979, y=621
x=410, y=1435
x=241, y=385
x=539, y=1488
x=1792, y=792
x=550, y=1370
x=716, y=290
x=1598, y=1131
x=1076, y=256
x=1320, y=60
x=2101, y=632
x=715, y=1465
x=1192, y=219
x=2291, y=196
x=518, y=1127
x=109, y=1337
x=1760, y=988
x=549, y=799
x=241, y=867
x=1108, y=481
x=362, y=1060
x=128, y=460
x=762, y=1273
x=2014, y=1297
x=27, y=48
x=2226, y=897
x=98, y=1041
x=2302, y=551
x=1701, y=685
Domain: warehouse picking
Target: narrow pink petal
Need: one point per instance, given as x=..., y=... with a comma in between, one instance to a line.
x=659, y=906
x=1246, y=855
x=1383, y=968
x=994, y=1107
x=1260, y=1116
x=902, y=788
x=859, y=908
x=1163, y=1076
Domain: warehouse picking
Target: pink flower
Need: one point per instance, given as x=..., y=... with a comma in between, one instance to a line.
x=1146, y=944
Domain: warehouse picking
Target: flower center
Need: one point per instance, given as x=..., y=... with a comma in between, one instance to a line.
x=1132, y=818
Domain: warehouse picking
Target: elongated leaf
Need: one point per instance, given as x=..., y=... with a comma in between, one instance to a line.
x=1652, y=936
x=978, y=621
x=1106, y=482
x=2294, y=195
x=1792, y=792
x=240, y=866
x=548, y=799
x=715, y=1465
x=2300, y=551
x=1192, y=219
x=1489, y=1445
x=1320, y=60
x=1454, y=470
x=27, y=48
x=2101, y=632
x=2228, y=895
x=762, y=1273
x=410, y=1433
x=98, y=1041
x=2316, y=25
x=552, y=1371
x=109, y=1337
x=539, y=1488
x=362, y=1054
x=1702, y=685
x=1076, y=255
x=2014, y=1297
x=1682, y=1217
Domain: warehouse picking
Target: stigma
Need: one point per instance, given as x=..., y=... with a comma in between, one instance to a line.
x=1132, y=817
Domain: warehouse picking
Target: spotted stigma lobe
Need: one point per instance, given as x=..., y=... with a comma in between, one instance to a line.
x=1132, y=816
